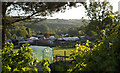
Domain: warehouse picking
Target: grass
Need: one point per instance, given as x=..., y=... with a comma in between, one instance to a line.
x=61, y=66
x=60, y=52
x=63, y=47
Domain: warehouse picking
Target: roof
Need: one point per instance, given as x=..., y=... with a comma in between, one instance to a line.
x=33, y=38
x=39, y=35
x=40, y=47
x=52, y=37
x=69, y=38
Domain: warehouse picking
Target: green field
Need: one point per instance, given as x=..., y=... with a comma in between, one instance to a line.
x=60, y=52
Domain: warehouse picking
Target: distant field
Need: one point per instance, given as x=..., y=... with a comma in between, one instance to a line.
x=60, y=50
x=64, y=47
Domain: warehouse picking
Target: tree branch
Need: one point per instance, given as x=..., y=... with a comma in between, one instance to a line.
x=28, y=17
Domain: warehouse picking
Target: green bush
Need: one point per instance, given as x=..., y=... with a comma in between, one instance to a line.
x=103, y=56
x=21, y=61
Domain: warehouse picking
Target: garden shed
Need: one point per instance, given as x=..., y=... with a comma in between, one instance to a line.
x=42, y=52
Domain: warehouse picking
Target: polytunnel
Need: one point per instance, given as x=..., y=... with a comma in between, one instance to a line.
x=42, y=52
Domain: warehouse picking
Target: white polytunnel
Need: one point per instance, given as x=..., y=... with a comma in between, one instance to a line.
x=42, y=52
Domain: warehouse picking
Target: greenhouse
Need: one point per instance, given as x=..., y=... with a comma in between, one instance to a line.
x=42, y=52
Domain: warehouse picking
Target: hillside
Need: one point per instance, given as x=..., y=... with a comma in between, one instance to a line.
x=51, y=25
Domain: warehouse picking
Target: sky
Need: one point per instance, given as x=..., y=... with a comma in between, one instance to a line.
x=78, y=13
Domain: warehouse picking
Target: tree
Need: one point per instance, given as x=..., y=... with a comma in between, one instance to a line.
x=44, y=28
x=13, y=36
x=73, y=31
x=29, y=32
x=18, y=31
x=98, y=14
x=30, y=10
x=47, y=35
x=22, y=33
x=9, y=35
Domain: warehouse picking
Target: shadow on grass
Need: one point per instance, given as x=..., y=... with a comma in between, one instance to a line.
x=61, y=66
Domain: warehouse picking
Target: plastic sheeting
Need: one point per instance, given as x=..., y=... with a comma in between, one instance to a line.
x=42, y=52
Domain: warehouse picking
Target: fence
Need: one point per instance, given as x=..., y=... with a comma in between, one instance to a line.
x=61, y=58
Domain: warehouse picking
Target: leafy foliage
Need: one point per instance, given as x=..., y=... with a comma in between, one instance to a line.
x=19, y=31
x=21, y=61
x=59, y=26
x=102, y=55
x=97, y=13
x=44, y=64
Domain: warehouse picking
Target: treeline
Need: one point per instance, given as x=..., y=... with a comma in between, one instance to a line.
x=58, y=26
x=52, y=26
x=19, y=31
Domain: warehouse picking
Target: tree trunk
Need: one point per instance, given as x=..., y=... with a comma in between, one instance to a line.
x=4, y=36
x=4, y=26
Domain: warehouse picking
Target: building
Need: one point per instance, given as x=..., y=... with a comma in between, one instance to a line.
x=52, y=37
x=46, y=36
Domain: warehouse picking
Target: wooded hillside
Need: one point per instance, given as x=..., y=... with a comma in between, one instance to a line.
x=51, y=25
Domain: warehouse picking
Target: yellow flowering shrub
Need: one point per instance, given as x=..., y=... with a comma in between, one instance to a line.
x=21, y=61
x=102, y=55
